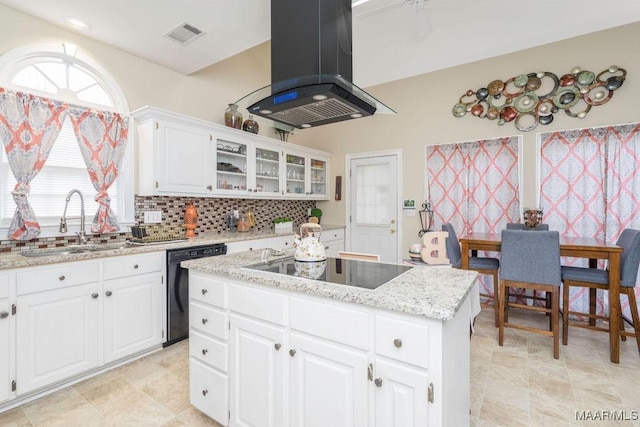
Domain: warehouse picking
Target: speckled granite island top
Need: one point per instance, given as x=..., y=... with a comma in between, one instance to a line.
x=435, y=292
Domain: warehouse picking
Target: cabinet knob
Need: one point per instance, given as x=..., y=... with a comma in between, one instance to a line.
x=135, y=267
x=209, y=187
x=4, y=315
x=108, y=293
x=204, y=351
x=61, y=278
x=378, y=382
x=95, y=295
x=397, y=342
x=292, y=352
x=249, y=190
x=255, y=190
x=277, y=346
x=204, y=321
x=204, y=392
x=204, y=291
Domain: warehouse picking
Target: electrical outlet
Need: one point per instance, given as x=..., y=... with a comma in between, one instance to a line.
x=152, y=217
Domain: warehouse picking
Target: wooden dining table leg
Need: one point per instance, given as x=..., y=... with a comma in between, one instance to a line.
x=614, y=307
x=593, y=295
x=464, y=248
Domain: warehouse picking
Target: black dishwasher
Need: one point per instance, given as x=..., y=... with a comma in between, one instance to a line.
x=178, y=288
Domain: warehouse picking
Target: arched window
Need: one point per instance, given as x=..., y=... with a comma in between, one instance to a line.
x=62, y=72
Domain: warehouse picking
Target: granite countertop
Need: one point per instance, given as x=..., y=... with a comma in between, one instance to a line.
x=15, y=260
x=435, y=291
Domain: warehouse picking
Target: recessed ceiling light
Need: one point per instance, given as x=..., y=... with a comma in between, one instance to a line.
x=76, y=23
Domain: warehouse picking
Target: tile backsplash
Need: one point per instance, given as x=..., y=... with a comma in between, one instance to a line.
x=212, y=213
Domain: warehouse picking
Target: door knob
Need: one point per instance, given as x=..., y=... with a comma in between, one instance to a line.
x=392, y=231
x=393, y=221
x=4, y=315
x=108, y=293
x=204, y=392
x=204, y=291
x=95, y=295
x=204, y=321
x=397, y=342
x=204, y=351
x=209, y=187
x=292, y=352
x=277, y=346
x=378, y=382
x=61, y=278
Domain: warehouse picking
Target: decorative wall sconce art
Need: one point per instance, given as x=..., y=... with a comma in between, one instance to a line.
x=529, y=99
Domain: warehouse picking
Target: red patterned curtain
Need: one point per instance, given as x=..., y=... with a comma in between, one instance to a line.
x=590, y=187
x=102, y=137
x=29, y=125
x=475, y=187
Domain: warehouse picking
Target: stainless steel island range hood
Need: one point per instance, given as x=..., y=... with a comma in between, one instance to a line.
x=311, y=68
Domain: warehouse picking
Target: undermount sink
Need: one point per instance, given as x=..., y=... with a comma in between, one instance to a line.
x=71, y=249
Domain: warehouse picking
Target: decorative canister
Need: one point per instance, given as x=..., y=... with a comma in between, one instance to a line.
x=250, y=125
x=190, y=219
x=232, y=117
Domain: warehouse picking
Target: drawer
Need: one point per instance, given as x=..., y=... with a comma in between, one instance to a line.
x=4, y=286
x=130, y=265
x=208, y=391
x=207, y=350
x=207, y=290
x=327, y=236
x=402, y=340
x=55, y=277
x=336, y=323
x=261, y=304
x=208, y=320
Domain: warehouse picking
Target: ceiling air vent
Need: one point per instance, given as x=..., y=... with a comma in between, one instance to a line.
x=185, y=33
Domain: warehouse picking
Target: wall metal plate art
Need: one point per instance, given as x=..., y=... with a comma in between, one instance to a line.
x=529, y=99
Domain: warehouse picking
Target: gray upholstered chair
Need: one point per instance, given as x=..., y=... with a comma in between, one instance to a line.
x=531, y=261
x=520, y=226
x=594, y=278
x=482, y=265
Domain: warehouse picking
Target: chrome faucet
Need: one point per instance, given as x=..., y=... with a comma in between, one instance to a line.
x=82, y=236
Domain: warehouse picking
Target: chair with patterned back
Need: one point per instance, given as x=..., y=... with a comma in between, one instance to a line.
x=482, y=265
x=595, y=278
x=530, y=261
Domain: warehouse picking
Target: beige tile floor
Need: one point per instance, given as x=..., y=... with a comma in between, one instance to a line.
x=519, y=384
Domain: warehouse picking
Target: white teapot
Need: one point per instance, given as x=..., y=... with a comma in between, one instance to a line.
x=308, y=247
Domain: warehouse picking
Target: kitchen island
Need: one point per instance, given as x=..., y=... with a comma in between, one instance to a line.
x=280, y=350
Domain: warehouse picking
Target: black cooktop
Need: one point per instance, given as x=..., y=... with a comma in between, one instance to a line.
x=363, y=274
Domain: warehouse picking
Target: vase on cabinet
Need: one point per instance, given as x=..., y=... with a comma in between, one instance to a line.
x=232, y=117
x=250, y=125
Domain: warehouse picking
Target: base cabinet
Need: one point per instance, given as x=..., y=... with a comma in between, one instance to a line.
x=328, y=383
x=303, y=361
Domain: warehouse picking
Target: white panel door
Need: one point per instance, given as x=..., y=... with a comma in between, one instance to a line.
x=328, y=383
x=57, y=335
x=401, y=395
x=132, y=315
x=374, y=206
x=257, y=389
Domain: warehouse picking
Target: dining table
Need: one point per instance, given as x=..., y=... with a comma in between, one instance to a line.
x=577, y=247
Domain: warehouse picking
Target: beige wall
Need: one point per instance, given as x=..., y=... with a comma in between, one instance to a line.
x=423, y=102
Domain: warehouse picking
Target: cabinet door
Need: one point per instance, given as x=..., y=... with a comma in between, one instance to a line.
x=5, y=316
x=333, y=247
x=185, y=156
x=233, y=161
x=57, y=335
x=296, y=167
x=328, y=383
x=319, y=175
x=257, y=352
x=401, y=395
x=209, y=391
x=268, y=170
x=132, y=315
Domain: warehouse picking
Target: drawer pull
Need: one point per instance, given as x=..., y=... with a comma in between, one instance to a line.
x=277, y=346
x=135, y=267
x=204, y=291
x=204, y=392
x=61, y=278
x=108, y=293
x=204, y=351
x=95, y=295
x=378, y=382
x=4, y=315
x=204, y=321
x=292, y=352
x=397, y=342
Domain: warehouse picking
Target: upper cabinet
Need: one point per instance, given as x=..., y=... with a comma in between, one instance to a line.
x=183, y=156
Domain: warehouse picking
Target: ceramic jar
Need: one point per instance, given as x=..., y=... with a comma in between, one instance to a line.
x=232, y=117
x=250, y=125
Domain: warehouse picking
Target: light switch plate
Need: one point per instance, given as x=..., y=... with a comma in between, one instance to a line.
x=152, y=217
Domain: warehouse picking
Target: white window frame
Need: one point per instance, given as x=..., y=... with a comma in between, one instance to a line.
x=11, y=63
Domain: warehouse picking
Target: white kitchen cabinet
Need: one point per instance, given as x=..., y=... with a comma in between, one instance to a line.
x=400, y=395
x=333, y=241
x=5, y=336
x=57, y=334
x=181, y=155
x=328, y=384
x=176, y=155
x=257, y=380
